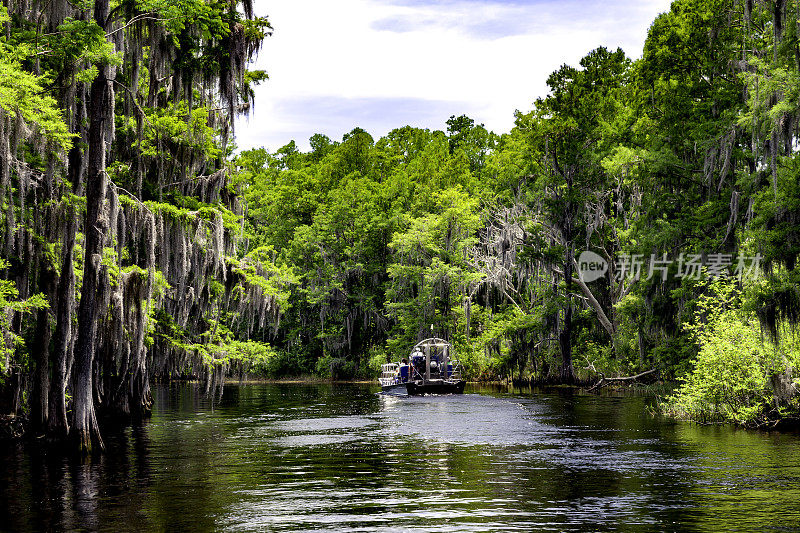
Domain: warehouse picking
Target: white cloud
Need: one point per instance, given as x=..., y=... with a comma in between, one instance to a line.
x=382, y=64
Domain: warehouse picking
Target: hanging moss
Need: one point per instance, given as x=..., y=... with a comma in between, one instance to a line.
x=162, y=262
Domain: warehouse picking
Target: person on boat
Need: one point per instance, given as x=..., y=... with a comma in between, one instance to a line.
x=418, y=363
x=402, y=371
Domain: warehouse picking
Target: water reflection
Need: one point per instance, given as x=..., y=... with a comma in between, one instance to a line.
x=315, y=457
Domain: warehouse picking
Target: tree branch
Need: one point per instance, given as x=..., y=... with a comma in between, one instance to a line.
x=604, y=381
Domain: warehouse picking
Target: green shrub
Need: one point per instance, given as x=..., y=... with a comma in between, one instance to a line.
x=376, y=357
x=731, y=377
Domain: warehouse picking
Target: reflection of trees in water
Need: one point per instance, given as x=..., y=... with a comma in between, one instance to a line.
x=47, y=491
x=86, y=481
x=741, y=477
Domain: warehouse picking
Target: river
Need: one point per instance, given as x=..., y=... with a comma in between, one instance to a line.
x=291, y=457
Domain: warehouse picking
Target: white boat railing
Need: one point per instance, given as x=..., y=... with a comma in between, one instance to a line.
x=456, y=372
x=389, y=374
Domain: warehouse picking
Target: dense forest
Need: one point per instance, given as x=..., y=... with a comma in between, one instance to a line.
x=137, y=244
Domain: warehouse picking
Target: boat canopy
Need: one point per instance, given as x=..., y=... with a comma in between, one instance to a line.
x=432, y=359
x=431, y=367
x=433, y=341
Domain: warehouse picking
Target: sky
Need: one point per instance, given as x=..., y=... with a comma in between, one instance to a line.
x=384, y=64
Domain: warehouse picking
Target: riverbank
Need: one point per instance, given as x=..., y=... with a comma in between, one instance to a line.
x=581, y=384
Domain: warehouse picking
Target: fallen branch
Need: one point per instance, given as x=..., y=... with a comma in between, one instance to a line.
x=604, y=381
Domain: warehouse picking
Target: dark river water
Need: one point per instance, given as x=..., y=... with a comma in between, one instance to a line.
x=284, y=457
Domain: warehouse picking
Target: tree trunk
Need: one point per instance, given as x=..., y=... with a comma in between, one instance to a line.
x=58, y=427
x=40, y=350
x=607, y=324
x=565, y=336
x=85, y=430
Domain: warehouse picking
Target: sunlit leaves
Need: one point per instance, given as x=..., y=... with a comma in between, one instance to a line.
x=23, y=93
x=731, y=378
x=10, y=304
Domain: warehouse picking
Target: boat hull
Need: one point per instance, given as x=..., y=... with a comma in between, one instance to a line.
x=419, y=388
x=399, y=388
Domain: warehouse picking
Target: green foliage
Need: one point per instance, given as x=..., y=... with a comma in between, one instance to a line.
x=430, y=275
x=258, y=269
x=23, y=93
x=733, y=376
x=256, y=355
x=10, y=304
x=79, y=42
x=180, y=126
x=376, y=358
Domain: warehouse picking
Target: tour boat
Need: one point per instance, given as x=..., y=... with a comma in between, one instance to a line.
x=429, y=369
